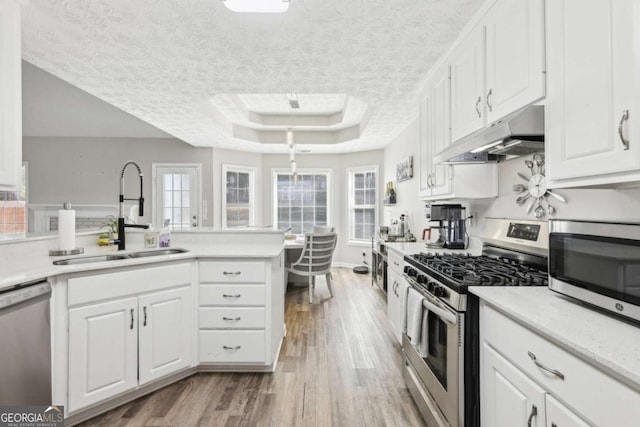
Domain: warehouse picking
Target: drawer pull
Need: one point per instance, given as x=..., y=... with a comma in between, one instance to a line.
x=238, y=347
x=625, y=141
x=232, y=273
x=534, y=412
x=231, y=319
x=541, y=366
x=396, y=264
x=231, y=296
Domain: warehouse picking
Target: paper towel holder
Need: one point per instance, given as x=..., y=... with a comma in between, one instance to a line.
x=58, y=252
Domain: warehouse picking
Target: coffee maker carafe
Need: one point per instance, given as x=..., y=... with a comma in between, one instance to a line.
x=452, y=231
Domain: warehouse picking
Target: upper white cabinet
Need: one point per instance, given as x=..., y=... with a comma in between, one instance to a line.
x=440, y=182
x=467, y=85
x=514, y=56
x=593, y=103
x=498, y=67
x=11, y=96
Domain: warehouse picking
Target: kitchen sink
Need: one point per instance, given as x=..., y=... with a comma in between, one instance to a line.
x=88, y=259
x=157, y=252
x=117, y=257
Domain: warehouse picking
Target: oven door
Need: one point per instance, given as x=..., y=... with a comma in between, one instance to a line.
x=597, y=263
x=440, y=366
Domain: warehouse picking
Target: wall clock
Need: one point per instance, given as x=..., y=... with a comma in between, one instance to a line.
x=534, y=193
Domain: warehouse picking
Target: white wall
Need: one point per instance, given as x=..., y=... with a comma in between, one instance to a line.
x=87, y=170
x=345, y=253
x=236, y=158
x=406, y=144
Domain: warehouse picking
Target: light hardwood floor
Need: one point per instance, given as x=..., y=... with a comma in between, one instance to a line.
x=339, y=366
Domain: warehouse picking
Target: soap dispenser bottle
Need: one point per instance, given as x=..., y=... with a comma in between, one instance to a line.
x=165, y=235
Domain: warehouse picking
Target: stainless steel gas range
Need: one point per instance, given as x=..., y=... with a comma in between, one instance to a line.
x=442, y=373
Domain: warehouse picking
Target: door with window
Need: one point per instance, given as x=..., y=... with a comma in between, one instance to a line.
x=177, y=191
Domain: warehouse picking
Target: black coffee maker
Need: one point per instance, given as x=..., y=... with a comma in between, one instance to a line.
x=451, y=229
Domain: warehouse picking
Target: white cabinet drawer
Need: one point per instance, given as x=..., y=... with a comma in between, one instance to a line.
x=232, y=346
x=232, y=317
x=234, y=295
x=595, y=395
x=395, y=261
x=232, y=272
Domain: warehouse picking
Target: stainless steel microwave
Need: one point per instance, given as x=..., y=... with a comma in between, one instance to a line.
x=598, y=263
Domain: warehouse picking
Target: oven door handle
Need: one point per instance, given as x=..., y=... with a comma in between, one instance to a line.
x=442, y=313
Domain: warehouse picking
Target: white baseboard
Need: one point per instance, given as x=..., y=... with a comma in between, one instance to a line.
x=344, y=264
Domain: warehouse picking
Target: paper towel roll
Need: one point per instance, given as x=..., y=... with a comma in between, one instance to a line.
x=66, y=229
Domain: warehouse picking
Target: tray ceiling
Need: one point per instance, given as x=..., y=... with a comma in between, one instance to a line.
x=212, y=77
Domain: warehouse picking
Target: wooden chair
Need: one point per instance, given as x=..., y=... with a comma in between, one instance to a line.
x=315, y=259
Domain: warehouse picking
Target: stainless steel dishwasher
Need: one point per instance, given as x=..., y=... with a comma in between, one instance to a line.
x=25, y=345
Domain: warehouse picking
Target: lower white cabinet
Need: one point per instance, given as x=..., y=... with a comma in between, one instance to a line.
x=396, y=303
x=103, y=351
x=508, y=397
x=136, y=336
x=240, y=313
x=521, y=369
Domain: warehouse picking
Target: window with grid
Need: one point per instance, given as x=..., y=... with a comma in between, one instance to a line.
x=238, y=205
x=303, y=205
x=13, y=210
x=363, y=203
x=177, y=199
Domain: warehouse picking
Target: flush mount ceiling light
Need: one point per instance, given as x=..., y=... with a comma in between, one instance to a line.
x=257, y=6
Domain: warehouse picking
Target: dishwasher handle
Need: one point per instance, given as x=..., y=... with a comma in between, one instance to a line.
x=24, y=293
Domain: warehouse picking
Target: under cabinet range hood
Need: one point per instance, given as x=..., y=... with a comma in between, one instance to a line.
x=517, y=134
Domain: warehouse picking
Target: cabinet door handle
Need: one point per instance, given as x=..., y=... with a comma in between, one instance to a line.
x=534, y=412
x=396, y=264
x=131, y=324
x=488, y=103
x=238, y=347
x=541, y=366
x=231, y=296
x=144, y=311
x=231, y=319
x=553, y=424
x=232, y=273
x=624, y=118
x=478, y=105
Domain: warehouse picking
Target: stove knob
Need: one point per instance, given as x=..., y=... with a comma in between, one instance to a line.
x=412, y=272
x=439, y=291
x=422, y=279
x=431, y=286
x=407, y=269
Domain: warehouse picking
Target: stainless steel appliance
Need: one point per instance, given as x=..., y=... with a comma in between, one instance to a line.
x=379, y=265
x=517, y=134
x=26, y=345
x=445, y=382
x=451, y=229
x=598, y=263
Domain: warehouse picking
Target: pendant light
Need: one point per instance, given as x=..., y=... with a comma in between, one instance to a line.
x=292, y=156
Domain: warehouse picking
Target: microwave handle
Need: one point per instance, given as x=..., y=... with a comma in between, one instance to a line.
x=445, y=315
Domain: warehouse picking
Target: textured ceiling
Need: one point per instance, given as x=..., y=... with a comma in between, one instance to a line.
x=172, y=62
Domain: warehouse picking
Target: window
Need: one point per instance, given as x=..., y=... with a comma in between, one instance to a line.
x=177, y=195
x=363, y=203
x=238, y=204
x=13, y=212
x=302, y=205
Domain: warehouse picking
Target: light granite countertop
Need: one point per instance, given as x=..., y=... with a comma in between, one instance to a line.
x=610, y=343
x=410, y=248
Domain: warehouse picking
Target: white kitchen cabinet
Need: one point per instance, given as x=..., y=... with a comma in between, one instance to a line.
x=127, y=328
x=103, y=351
x=441, y=182
x=587, y=393
x=593, y=108
x=559, y=415
x=393, y=302
x=508, y=397
x=515, y=66
x=241, y=317
x=10, y=100
x=165, y=333
x=498, y=67
x=468, y=85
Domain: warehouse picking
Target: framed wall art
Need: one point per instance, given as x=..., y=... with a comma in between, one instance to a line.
x=404, y=169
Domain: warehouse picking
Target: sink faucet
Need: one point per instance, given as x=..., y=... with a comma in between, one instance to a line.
x=121, y=225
